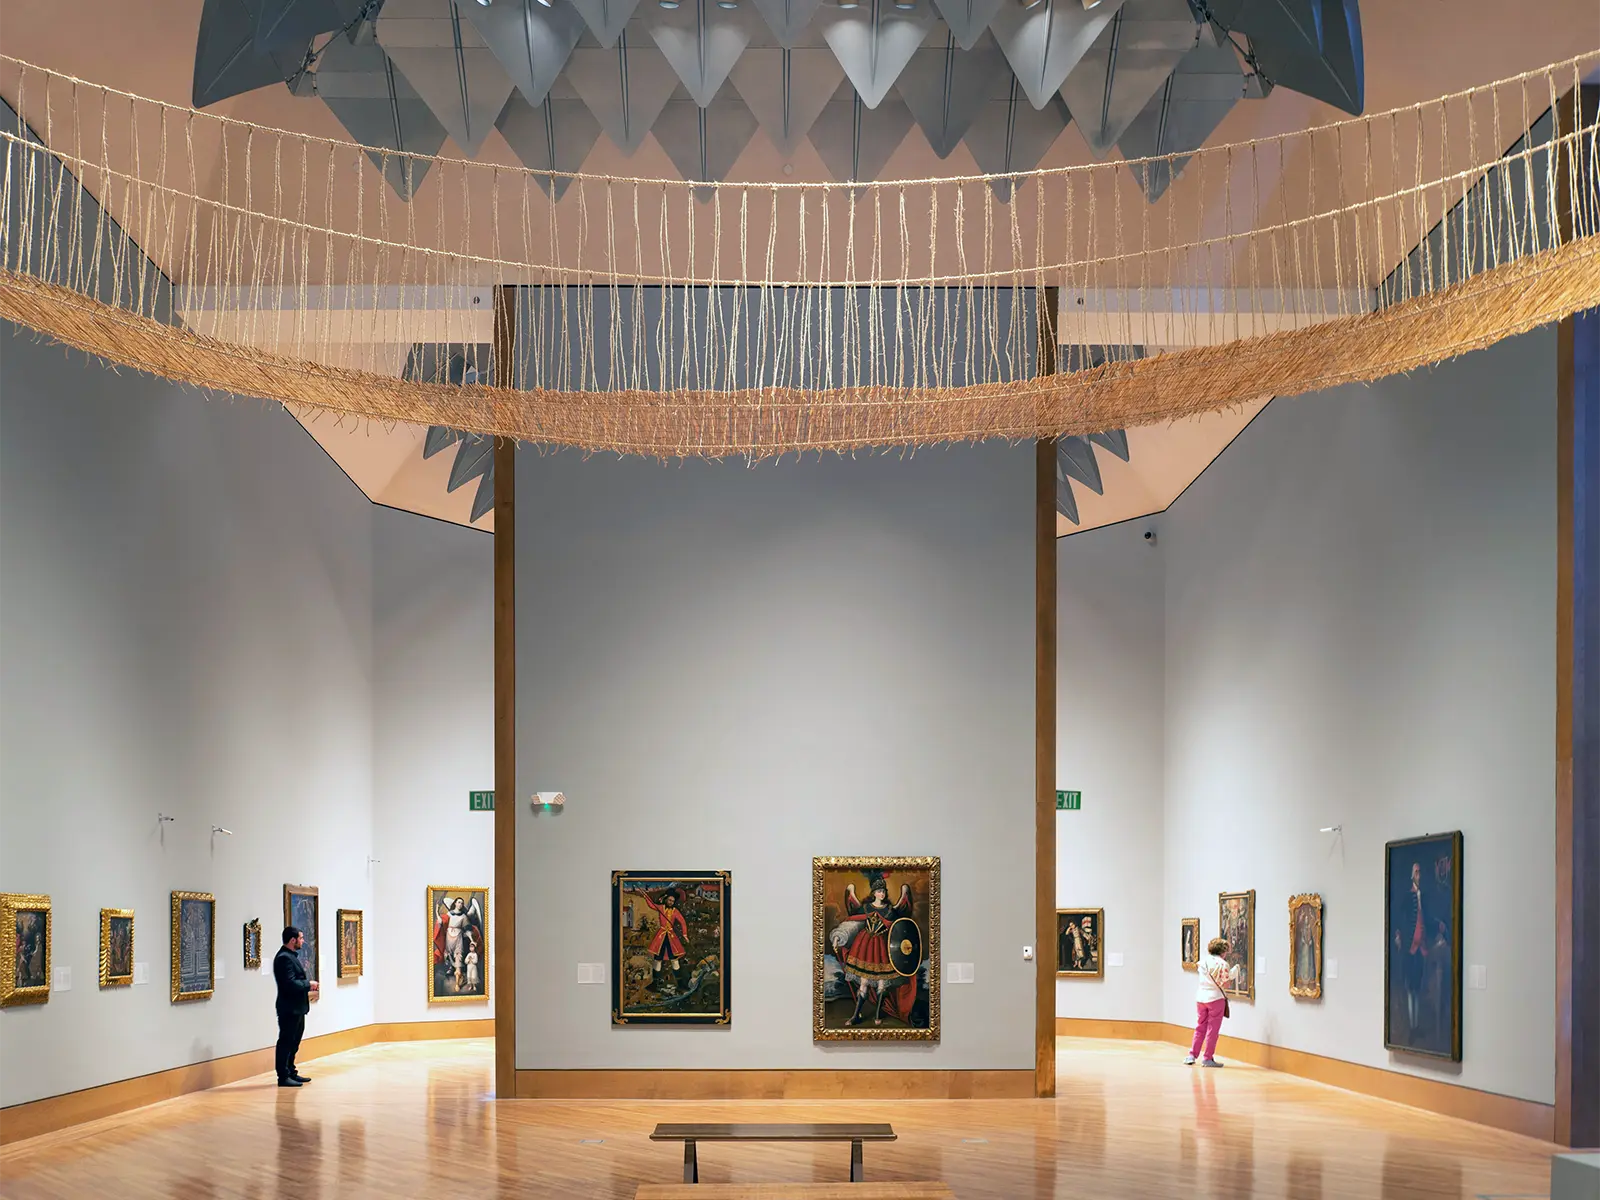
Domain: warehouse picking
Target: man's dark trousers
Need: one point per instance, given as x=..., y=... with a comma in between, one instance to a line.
x=291, y=1028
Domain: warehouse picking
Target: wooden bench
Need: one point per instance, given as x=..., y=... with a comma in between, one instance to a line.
x=790, y=1191
x=690, y=1134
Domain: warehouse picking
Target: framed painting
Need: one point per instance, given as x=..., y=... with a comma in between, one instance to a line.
x=116, y=947
x=669, y=948
x=1305, y=946
x=351, y=946
x=875, y=949
x=1422, y=962
x=1236, y=924
x=302, y=908
x=1080, y=933
x=24, y=949
x=194, y=927
x=252, y=944
x=1189, y=942
x=458, y=944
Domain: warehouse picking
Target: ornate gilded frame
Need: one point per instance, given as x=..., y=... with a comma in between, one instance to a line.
x=819, y=943
x=290, y=891
x=483, y=965
x=12, y=903
x=178, y=994
x=1189, y=964
x=1238, y=993
x=107, y=979
x=1314, y=902
x=351, y=970
x=252, y=944
x=618, y=949
x=1099, y=915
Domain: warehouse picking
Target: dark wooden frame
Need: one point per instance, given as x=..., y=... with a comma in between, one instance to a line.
x=1458, y=875
x=618, y=972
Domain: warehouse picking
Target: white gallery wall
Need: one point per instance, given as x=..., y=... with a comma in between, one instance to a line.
x=433, y=742
x=727, y=668
x=1110, y=620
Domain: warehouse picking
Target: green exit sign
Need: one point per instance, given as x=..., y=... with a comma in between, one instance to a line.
x=480, y=801
x=1069, y=801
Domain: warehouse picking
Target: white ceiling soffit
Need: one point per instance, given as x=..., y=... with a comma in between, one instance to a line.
x=448, y=63
x=1011, y=135
x=1045, y=42
x=788, y=19
x=554, y=136
x=1206, y=84
x=874, y=43
x=531, y=42
x=945, y=87
x=702, y=42
x=704, y=143
x=786, y=90
x=605, y=18
x=625, y=87
x=1128, y=64
x=857, y=142
x=968, y=18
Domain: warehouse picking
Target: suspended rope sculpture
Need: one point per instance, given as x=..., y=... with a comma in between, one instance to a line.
x=668, y=318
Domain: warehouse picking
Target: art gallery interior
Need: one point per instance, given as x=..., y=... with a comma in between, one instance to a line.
x=763, y=578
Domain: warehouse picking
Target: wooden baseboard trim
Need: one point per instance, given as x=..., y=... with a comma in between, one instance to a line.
x=773, y=1085
x=1087, y=1027
x=21, y=1121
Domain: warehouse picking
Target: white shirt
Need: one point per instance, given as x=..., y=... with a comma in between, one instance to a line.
x=1212, y=969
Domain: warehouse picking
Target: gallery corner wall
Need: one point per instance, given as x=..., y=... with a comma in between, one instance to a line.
x=734, y=668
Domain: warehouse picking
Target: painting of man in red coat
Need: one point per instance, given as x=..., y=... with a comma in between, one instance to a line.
x=670, y=954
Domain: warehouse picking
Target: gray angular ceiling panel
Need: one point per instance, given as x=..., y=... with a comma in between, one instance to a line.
x=380, y=110
x=945, y=87
x=1128, y=63
x=1292, y=24
x=227, y=61
x=786, y=90
x=968, y=18
x=1334, y=74
x=625, y=87
x=1045, y=42
x=605, y=18
x=702, y=42
x=446, y=61
x=874, y=43
x=1011, y=135
x=704, y=143
x=554, y=136
x=857, y=142
x=1075, y=457
x=1177, y=121
x=531, y=42
x=294, y=23
x=788, y=19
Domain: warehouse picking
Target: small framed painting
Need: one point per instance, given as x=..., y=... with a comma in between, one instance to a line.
x=1236, y=921
x=252, y=944
x=1189, y=940
x=1422, y=961
x=669, y=948
x=350, y=943
x=194, y=927
x=302, y=908
x=116, y=947
x=1080, y=936
x=1305, y=946
x=458, y=944
x=875, y=949
x=24, y=949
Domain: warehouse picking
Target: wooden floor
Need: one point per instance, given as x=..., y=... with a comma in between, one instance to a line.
x=416, y=1120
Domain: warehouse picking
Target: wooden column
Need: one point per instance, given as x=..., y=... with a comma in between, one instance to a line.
x=1577, y=1115
x=505, y=716
x=1044, y=707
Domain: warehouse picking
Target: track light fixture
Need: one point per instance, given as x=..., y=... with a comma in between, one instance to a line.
x=728, y=4
x=668, y=4
x=486, y=3
x=849, y=3
x=544, y=3
x=905, y=5
x=1030, y=4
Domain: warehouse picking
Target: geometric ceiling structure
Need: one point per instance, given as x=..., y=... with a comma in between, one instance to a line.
x=853, y=77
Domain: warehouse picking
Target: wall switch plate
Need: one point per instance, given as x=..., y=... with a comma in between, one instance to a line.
x=61, y=980
x=1114, y=959
x=1027, y=954
x=1478, y=977
x=960, y=972
x=591, y=972
x=222, y=969
x=1333, y=968
x=141, y=973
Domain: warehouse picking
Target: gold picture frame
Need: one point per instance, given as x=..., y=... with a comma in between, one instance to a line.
x=1080, y=943
x=252, y=944
x=194, y=946
x=923, y=959
x=1236, y=924
x=451, y=979
x=351, y=950
x=1189, y=943
x=27, y=981
x=1305, y=946
x=116, y=947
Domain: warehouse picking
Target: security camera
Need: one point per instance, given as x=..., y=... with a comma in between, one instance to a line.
x=1150, y=536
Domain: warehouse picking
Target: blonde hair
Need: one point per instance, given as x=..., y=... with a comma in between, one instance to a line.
x=1217, y=946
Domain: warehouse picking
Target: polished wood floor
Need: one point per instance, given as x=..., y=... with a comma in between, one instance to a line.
x=417, y=1120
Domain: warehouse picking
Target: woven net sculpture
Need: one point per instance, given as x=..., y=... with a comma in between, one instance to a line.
x=671, y=319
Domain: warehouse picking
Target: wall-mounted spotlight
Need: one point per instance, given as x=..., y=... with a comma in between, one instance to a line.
x=162, y=817
x=220, y=829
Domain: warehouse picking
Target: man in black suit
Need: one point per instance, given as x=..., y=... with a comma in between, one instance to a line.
x=294, y=1002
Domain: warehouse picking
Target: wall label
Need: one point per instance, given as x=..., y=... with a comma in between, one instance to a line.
x=480, y=801
x=1069, y=801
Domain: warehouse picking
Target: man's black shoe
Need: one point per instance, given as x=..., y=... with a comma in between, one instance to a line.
x=300, y=1077
x=290, y=1082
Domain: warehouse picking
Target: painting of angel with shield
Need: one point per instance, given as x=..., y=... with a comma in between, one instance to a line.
x=875, y=958
x=458, y=944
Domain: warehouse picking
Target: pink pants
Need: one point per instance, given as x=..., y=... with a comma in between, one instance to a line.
x=1207, y=1027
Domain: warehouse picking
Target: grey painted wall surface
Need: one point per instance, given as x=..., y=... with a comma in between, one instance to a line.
x=1360, y=630
x=727, y=668
x=1110, y=619
x=433, y=742
x=186, y=627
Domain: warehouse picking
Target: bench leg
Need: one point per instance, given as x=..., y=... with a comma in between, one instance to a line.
x=858, y=1172
x=691, y=1165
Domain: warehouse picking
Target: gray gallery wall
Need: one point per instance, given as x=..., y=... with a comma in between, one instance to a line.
x=1360, y=631
x=733, y=668
x=1110, y=619
x=186, y=628
x=433, y=742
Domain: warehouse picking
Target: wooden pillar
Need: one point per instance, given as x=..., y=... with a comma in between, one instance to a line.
x=505, y=716
x=1577, y=1116
x=1044, y=705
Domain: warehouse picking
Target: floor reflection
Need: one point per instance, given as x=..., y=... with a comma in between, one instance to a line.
x=1414, y=1171
x=299, y=1159
x=1305, y=1175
